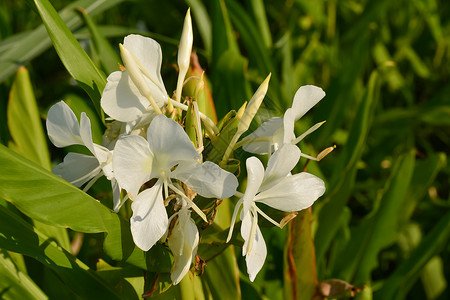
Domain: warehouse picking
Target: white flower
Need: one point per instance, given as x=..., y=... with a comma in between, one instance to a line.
x=137, y=160
x=277, y=188
x=277, y=131
x=63, y=130
x=126, y=94
x=183, y=242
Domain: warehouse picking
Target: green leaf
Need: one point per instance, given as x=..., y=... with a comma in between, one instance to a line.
x=13, y=283
x=224, y=267
x=379, y=230
x=50, y=199
x=76, y=61
x=47, y=197
x=29, y=137
x=230, y=86
x=400, y=282
x=335, y=202
x=21, y=48
x=108, y=57
x=18, y=236
x=24, y=121
x=300, y=265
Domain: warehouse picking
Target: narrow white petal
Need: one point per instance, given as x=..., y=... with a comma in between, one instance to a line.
x=183, y=243
x=280, y=165
x=207, y=179
x=116, y=195
x=132, y=163
x=288, y=126
x=246, y=224
x=86, y=132
x=62, y=126
x=149, y=54
x=121, y=99
x=255, y=175
x=257, y=255
x=293, y=193
x=77, y=168
x=305, y=98
x=149, y=221
x=169, y=142
x=272, y=129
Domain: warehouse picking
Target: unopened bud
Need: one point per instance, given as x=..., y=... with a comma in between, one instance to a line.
x=253, y=106
x=184, y=52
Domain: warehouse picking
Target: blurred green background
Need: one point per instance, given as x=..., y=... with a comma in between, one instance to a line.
x=383, y=224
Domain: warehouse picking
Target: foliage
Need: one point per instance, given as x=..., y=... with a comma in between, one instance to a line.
x=380, y=231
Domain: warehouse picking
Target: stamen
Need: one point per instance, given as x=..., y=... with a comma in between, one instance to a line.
x=121, y=202
x=307, y=156
x=267, y=217
x=191, y=203
x=307, y=132
x=246, y=141
x=92, y=181
x=239, y=194
x=325, y=152
x=233, y=219
x=90, y=174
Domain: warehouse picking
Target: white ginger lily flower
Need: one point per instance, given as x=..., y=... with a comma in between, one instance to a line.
x=128, y=95
x=277, y=188
x=137, y=160
x=63, y=130
x=276, y=131
x=183, y=242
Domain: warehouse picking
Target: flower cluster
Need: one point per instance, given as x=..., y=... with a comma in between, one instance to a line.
x=147, y=153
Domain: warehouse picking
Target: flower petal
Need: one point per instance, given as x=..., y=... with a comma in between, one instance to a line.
x=183, y=243
x=207, y=179
x=121, y=99
x=149, y=221
x=280, y=164
x=305, y=98
x=149, y=54
x=62, y=126
x=256, y=257
x=255, y=175
x=169, y=142
x=77, y=168
x=288, y=126
x=293, y=193
x=132, y=163
x=270, y=129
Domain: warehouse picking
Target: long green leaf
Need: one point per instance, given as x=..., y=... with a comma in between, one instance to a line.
x=107, y=56
x=24, y=122
x=49, y=199
x=19, y=49
x=330, y=214
x=379, y=230
x=18, y=236
x=399, y=283
x=29, y=137
x=14, y=284
x=76, y=61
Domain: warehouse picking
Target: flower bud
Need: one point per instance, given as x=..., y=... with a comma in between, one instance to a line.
x=184, y=52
